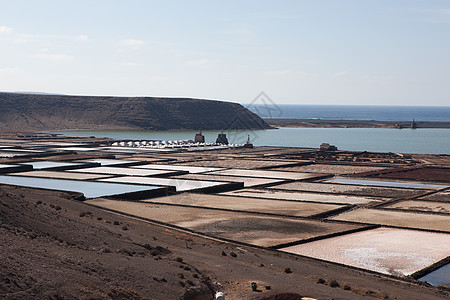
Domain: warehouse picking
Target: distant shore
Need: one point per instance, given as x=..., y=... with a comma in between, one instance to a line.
x=321, y=123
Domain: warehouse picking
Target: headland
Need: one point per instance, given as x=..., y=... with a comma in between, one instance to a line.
x=36, y=112
x=325, y=123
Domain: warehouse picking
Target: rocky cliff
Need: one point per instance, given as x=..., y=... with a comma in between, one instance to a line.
x=25, y=112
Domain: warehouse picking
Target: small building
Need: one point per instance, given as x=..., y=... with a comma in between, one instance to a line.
x=199, y=137
x=327, y=147
x=222, y=139
x=248, y=144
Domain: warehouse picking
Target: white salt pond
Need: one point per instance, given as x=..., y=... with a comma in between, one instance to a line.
x=396, y=218
x=9, y=154
x=112, y=162
x=396, y=252
x=126, y=171
x=190, y=169
x=62, y=175
x=267, y=174
x=397, y=184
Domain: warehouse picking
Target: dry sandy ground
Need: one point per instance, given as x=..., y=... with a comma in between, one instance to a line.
x=267, y=174
x=53, y=247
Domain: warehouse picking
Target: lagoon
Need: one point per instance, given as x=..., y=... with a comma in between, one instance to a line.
x=420, y=141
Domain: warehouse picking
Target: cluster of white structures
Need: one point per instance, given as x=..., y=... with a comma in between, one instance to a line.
x=167, y=144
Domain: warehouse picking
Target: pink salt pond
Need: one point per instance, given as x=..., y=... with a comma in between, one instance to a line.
x=391, y=251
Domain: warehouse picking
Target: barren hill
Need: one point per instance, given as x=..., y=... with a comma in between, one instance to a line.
x=55, y=247
x=23, y=112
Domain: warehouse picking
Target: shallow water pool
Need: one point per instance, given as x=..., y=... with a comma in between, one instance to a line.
x=90, y=189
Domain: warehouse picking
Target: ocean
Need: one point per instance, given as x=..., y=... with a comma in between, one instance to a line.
x=353, y=112
x=421, y=141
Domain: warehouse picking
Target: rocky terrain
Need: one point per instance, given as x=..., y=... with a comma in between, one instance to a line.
x=32, y=112
x=55, y=247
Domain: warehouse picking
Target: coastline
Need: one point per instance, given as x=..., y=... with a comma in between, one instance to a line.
x=322, y=123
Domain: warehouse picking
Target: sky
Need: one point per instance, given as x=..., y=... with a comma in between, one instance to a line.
x=349, y=52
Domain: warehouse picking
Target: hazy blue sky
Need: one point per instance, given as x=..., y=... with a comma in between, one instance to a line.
x=375, y=52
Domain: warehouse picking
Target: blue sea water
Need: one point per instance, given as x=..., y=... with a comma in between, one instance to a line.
x=353, y=112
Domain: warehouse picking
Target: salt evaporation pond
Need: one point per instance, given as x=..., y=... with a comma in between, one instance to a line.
x=62, y=175
x=88, y=188
x=440, y=276
x=190, y=169
x=406, y=185
x=303, y=196
x=112, y=162
x=39, y=165
x=248, y=228
x=398, y=252
x=126, y=171
x=267, y=174
x=181, y=185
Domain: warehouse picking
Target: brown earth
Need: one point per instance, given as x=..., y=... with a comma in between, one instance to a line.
x=53, y=247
